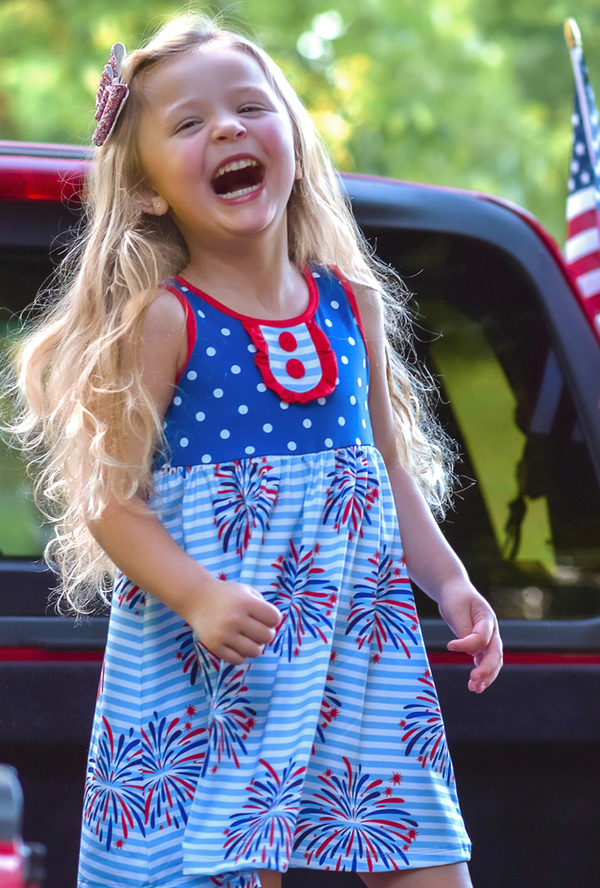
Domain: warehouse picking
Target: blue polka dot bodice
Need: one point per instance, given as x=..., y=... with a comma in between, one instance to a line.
x=234, y=400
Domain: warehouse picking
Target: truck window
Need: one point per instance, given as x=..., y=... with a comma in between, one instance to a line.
x=527, y=508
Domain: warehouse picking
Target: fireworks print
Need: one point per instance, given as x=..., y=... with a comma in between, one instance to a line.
x=114, y=797
x=129, y=595
x=382, y=607
x=305, y=600
x=330, y=708
x=234, y=880
x=424, y=733
x=196, y=657
x=352, y=492
x=353, y=817
x=171, y=763
x=231, y=717
x=246, y=495
x=267, y=821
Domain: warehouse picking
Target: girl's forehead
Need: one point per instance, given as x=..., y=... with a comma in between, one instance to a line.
x=205, y=70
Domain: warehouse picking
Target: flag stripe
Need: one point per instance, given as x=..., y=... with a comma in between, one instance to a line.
x=580, y=201
x=582, y=222
x=582, y=244
x=589, y=283
x=585, y=264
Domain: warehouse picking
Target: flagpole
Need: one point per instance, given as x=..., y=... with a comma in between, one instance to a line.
x=573, y=38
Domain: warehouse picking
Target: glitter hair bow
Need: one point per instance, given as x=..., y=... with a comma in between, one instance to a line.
x=111, y=95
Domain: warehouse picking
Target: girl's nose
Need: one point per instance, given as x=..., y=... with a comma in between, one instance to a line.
x=227, y=129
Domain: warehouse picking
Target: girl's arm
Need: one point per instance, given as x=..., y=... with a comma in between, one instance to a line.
x=231, y=619
x=430, y=561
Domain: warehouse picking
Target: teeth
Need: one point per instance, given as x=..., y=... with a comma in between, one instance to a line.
x=236, y=165
x=240, y=192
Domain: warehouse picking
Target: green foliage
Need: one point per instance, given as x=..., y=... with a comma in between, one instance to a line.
x=461, y=93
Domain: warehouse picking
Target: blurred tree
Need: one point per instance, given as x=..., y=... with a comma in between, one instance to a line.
x=453, y=92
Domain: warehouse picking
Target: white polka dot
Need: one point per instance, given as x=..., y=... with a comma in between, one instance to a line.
x=267, y=427
x=341, y=421
x=328, y=442
x=261, y=387
x=334, y=304
x=177, y=400
x=292, y=445
x=359, y=380
x=164, y=425
x=201, y=313
x=192, y=374
x=321, y=401
x=252, y=348
x=366, y=405
x=225, y=331
x=206, y=458
x=357, y=440
x=364, y=363
x=352, y=399
x=367, y=387
x=337, y=382
x=218, y=393
x=211, y=352
x=344, y=359
x=364, y=423
x=243, y=409
x=201, y=416
x=328, y=323
x=225, y=433
x=184, y=442
x=306, y=423
x=352, y=340
x=250, y=450
x=284, y=405
x=236, y=368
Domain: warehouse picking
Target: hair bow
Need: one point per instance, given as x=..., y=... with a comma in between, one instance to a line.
x=111, y=95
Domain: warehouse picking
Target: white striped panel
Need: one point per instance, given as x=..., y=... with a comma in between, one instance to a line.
x=581, y=202
x=582, y=244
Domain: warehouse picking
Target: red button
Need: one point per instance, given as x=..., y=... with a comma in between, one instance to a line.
x=288, y=343
x=295, y=368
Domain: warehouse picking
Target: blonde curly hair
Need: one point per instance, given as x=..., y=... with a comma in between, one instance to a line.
x=78, y=405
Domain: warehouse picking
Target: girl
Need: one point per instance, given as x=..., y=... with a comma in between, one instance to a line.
x=223, y=421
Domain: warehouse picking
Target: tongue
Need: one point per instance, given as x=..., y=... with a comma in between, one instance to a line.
x=235, y=180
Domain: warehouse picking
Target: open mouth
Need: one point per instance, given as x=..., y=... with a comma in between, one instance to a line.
x=238, y=178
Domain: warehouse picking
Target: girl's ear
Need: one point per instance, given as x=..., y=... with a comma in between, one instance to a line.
x=152, y=203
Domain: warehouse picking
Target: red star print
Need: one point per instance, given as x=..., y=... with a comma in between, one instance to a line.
x=388, y=790
x=188, y=726
x=397, y=572
x=213, y=770
x=317, y=548
x=225, y=832
x=396, y=779
x=376, y=658
x=427, y=674
x=333, y=657
x=296, y=652
x=328, y=772
x=179, y=655
x=403, y=561
x=119, y=844
x=222, y=576
x=402, y=724
x=190, y=710
x=412, y=834
x=405, y=847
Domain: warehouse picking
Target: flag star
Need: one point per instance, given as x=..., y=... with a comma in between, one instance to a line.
x=575, y=167
x=585, y=178
x=575, y=120
x=571, y=184
x=579, y=149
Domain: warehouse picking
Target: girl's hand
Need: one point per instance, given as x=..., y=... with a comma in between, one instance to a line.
x=233, y=620
x=474, y=622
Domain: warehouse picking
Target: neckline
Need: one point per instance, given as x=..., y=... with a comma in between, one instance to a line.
x=306, y=315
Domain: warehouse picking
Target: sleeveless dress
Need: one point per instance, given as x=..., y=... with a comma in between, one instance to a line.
x=327, y=751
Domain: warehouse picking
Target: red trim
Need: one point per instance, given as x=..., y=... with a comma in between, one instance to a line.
x=526, y=658
x=40, y=655
x=353, y=303
x=439, y=658
x=304, y=317
x=190, y=327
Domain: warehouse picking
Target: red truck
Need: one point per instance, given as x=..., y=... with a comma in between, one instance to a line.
x=499, y=325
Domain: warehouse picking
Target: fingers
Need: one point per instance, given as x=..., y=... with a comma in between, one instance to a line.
x=263, y=612
x=487, y=658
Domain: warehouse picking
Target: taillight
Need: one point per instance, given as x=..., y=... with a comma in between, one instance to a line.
x=41, y=178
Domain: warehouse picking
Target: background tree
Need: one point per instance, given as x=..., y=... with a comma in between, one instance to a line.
x=460, y=93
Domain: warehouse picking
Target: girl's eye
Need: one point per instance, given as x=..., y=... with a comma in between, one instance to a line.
x=247, y=108
x=187, y=124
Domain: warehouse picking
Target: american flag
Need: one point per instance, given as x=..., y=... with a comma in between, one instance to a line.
x=582, y=251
